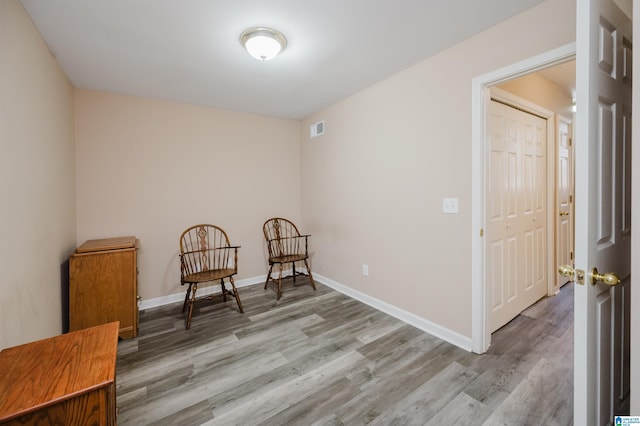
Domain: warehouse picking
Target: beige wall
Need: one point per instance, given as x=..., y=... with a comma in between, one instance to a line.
x=373, y=184
x=37, y=189
x=151, y=169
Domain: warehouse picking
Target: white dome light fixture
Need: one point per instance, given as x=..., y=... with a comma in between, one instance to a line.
x=263, y=43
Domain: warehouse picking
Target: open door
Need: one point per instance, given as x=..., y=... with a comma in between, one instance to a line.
x=603, y=211
x=564, y=198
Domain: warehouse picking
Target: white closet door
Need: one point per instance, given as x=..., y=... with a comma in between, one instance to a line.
x=516, y=222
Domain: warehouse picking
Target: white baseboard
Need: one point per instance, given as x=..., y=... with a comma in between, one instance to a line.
x=203, y=291
x=443, y=333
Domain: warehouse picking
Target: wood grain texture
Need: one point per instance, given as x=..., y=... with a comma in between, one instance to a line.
x=321, y=358
x=103, y=285
x=107, y=244
x=67, y=379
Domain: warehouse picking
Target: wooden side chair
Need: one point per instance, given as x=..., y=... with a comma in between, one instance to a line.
x=207, y=256
x=285, y=245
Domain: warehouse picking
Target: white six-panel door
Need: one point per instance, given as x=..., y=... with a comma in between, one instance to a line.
x=603, y=211
x=564, y=200
x=516, y=233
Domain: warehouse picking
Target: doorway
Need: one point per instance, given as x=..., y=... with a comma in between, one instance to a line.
x=481, y=333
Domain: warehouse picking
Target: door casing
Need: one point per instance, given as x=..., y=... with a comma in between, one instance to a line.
x=480, y=333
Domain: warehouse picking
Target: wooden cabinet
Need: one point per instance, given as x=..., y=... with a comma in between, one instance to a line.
x=64, y=380
x=103, y=285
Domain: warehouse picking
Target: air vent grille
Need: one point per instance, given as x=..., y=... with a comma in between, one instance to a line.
x=317, y=129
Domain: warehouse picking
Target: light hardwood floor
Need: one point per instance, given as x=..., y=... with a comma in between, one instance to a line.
x=321, y=358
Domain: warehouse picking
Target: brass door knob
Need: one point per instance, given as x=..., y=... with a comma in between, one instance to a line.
x=576, y=275
x=608, y=278
x=566, y=271
x=563, y=213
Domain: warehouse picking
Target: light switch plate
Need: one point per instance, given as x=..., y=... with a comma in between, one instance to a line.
x=449, y=205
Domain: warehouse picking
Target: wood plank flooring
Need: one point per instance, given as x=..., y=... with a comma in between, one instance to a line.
x=322, y=358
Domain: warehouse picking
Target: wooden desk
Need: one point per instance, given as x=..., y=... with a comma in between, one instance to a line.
x=64, y=380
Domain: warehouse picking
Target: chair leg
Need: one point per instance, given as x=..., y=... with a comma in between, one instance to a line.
x=279, y=295
x=313, y=284
x=191, y=303
x=236, y=295
x=293, y=266
x=224, y=291
x=186, y=298
x=268, y=276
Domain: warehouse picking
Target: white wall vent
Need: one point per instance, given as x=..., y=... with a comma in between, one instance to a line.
x=317, y=129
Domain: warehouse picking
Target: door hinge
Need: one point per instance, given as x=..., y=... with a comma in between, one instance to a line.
x=570, y=141
x=571, y=255
x=571, y=198
x=482, y=232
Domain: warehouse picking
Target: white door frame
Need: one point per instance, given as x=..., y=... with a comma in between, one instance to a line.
x=480, y=332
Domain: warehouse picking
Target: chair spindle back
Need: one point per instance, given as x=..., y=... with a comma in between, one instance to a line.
x=282, y=238
x=206, y=248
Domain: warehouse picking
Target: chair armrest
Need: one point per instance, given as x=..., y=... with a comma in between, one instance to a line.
x=290, y=238
x=284, y=246
x=194, y=261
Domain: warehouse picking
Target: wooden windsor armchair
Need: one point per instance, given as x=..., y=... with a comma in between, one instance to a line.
x=207, y=256
x=286, y=245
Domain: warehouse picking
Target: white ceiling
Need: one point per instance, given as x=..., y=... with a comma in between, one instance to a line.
x=189, y=50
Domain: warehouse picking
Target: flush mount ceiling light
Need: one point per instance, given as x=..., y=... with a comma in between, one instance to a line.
x=263, y=43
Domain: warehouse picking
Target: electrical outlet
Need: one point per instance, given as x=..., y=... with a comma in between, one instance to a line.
x=365, y=270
